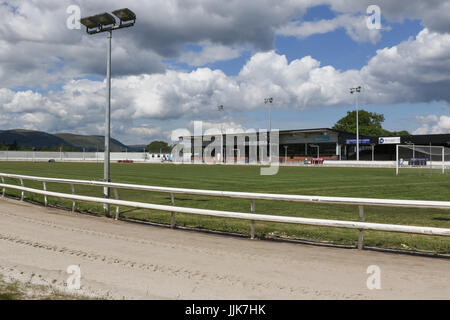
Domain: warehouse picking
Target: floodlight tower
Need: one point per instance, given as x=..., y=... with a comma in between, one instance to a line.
x=106, y=22
x=270, y=101
x=222, y=158
x=352, y=91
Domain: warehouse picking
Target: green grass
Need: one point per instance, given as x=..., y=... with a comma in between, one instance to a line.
x=26, y=291
x=325, y=181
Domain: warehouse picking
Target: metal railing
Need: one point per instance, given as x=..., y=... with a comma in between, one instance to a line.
x=252, y=216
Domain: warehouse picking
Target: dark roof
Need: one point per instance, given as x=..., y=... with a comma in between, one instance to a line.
x=347, y=134
x=425, y=139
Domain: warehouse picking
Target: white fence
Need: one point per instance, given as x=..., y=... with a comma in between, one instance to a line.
x=80, y=156
x=252, y=216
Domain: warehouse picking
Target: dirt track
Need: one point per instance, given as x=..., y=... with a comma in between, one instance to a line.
x=124, y=260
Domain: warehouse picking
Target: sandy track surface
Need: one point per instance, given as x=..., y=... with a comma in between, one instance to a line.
x=125, y=260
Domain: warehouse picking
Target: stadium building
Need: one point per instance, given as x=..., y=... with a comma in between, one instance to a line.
x=325, y=143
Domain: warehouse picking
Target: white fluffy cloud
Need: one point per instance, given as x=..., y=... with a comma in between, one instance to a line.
x=433, y=124
x=210, y=53
x=39, y=50
x=354, y=25
x=417, y=70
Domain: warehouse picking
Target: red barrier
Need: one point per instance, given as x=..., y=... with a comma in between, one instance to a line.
x=317, y=161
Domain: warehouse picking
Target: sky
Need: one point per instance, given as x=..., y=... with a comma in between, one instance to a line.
x=183, y=58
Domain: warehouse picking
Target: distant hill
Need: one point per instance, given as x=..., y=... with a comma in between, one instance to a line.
x=29, y=139
x=90, y=143
x=42, y=140
x=137, y=147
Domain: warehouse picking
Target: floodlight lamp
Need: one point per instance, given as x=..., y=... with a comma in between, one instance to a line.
x=105, y=19
x=95, y=24
x=90, y=23
x=125, y=15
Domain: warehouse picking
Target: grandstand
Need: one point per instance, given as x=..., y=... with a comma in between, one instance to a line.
x=298, y=146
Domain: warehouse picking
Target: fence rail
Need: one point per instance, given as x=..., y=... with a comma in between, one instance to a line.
x=252, y=216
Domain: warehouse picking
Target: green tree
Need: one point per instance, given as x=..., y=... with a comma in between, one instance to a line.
x=370, y=124
x=158, y=146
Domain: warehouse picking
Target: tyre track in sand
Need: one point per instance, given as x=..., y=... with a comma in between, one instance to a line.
x=125, y=260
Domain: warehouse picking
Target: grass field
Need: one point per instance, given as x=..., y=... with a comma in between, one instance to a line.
x=325, y=181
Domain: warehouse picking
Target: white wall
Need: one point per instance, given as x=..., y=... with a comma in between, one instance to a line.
x=78, y=156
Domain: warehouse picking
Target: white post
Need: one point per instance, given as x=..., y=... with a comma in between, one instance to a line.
x=396, y=162
x=22, y=194
x=252, y=222
x=116, y=194
x=337, y=151
x=361, y=233
x=73, y=202
x=45, y=196
x=431, y=161
x=172, y=216
x=4, y=189
x=443, y=160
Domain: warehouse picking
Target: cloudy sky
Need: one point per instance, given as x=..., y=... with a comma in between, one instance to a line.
x=185, y=57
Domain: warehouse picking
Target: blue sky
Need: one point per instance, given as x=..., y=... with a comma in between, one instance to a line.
x=180, y=62
x=340, y=51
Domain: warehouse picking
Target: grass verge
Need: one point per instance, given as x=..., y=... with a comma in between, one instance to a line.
x=345, y=182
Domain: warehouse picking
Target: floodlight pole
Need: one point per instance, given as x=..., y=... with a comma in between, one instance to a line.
x=107, y=170
x=352, y=91
x=222, y=156
x=107, y=23
x=373, y=151
x=270, y=101
x=357, y=130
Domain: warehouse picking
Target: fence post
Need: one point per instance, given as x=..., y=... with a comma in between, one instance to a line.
x=361, y=232
x=45, y=196
x=252, y=222
x=4, y=189
x=116, y=194
x=172, y=218
x=73, y=192
x=22, y=195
